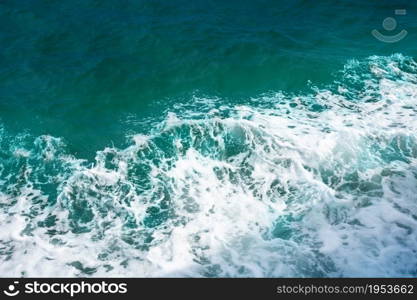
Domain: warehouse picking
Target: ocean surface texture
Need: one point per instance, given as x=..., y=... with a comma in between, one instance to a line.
x=208, y=138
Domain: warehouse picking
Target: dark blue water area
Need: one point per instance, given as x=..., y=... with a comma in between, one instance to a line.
x=80, y=69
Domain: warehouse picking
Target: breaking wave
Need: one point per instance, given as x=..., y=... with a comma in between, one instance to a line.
x=321, y=184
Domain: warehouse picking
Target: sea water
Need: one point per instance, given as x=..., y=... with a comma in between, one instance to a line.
x=207, y=139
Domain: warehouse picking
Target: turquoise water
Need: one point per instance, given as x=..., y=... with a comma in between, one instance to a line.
x=207, y=139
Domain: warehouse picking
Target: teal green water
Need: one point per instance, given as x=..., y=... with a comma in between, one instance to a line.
x=80, y=69
x=212, y=138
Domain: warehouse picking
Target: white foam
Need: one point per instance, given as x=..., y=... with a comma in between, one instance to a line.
x=300, y=194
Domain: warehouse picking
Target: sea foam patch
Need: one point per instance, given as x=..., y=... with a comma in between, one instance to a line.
x=322, y=184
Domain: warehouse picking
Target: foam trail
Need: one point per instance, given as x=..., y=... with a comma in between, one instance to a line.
x=322, y=184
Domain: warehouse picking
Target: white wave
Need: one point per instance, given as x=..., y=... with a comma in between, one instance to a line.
x=326, y=188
